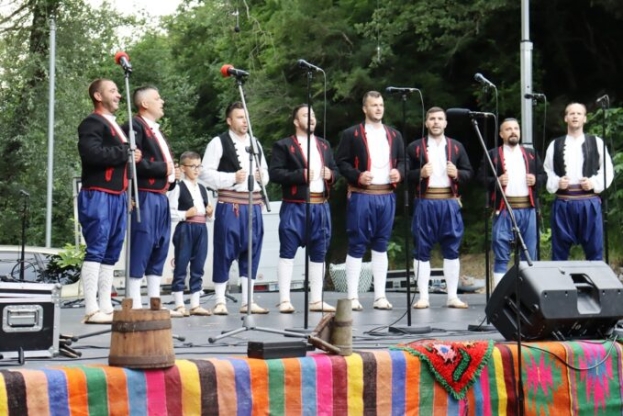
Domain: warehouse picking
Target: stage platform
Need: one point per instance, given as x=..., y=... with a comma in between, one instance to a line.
x=559, y=378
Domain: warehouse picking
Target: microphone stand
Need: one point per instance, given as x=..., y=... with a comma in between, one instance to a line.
x=519, y=242
x=307, y=204
x=133, y=181
x=482, y=327
x=305, y=328
x=407, y=231
x=605, y=104
x=23, y=248
x=248, y=321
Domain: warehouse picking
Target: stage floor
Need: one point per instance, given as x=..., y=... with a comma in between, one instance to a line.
x=369, y=327
x=448, y=373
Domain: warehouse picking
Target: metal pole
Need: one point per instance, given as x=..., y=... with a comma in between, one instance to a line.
x=48, y=213
x=526, y=75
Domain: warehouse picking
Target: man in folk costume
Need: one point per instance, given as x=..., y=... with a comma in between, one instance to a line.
x=521, y=173
x=155, y=175
x=438, y=166
x=226, y=168
x=371, y=158
x=288, y=167
x=575, y=173
x=102, y=201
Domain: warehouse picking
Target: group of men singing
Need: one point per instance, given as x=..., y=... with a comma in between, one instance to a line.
x=370, y=156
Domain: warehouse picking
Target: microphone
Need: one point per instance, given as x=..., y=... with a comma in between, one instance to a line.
x=237, y=27
x=228, y=70
x=536, y=96
x=122, y=58
x=400, y=90
x=462, y=112
x=306, y=65
x=24, y=193
x=482, y=80
x=603, y=100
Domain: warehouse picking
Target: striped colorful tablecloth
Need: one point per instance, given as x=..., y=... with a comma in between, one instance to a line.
x=570, y=378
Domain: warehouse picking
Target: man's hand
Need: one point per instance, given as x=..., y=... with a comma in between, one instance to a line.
x=530, y=179
x=586, y=184
x=209, y=210
x=394, y=176
x=191, y=212
x=170, y=168
x=563, y=183
x=138, y=155
x=426, y=170
x=503, y=179
x=326, y=173
x=365, y=178
x=241, y=175
x=451, y=170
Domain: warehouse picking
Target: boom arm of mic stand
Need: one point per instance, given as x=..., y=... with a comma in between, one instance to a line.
x=254, y=147
x=511, y=214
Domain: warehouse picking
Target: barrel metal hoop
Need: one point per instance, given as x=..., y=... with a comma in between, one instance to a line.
x=140, y=326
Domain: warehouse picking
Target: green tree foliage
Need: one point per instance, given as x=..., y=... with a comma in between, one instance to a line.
x=434, y=45
x=84, y=39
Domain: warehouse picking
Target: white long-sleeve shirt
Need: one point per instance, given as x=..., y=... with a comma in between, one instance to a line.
x=574, y=161
x=515, y=166
x=316, y=183
x=174, y=197
x=216, y=179
x=439, y=159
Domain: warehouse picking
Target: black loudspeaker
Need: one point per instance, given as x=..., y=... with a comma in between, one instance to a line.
x=557, y=300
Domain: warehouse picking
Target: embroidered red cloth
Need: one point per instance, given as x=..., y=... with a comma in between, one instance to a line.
x=455, y=365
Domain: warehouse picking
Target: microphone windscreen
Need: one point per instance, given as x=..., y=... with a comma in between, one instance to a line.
x=120, y=55
x=225, y=70
x=457, y=112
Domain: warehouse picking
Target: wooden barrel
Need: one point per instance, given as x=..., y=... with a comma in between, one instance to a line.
x=141, y=338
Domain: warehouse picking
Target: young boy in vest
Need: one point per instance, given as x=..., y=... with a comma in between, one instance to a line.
x=190, y=206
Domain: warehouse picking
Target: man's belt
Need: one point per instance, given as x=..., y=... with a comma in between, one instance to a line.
x=372, y=189
x=241, y=198
x=197, y=219
x=438, y=193
x=317, y=198
x=575, y=192
x=519, y=202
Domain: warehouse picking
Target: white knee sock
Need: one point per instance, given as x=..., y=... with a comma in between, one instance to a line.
x=153, y=286
x=496, y=278
x=245, y=294
x=353, y=270
x=90, y=276
x=219, y=292
x=104, y=287
x=133, y=291
x=451, y=270
x=194, y=299
x=379, y=271
x=178, y=297
x=422, y=272
x=284, y=278
x=316, y=279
